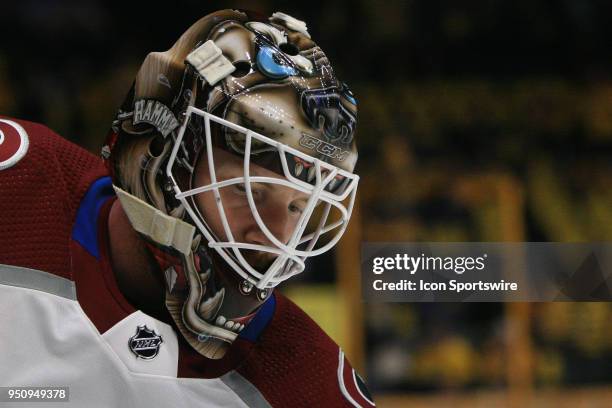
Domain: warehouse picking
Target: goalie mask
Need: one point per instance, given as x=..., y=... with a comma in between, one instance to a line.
x=233, y=157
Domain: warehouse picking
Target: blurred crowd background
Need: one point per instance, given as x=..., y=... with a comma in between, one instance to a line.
x=479, y=121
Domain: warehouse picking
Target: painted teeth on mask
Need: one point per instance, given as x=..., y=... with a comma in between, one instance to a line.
x=178, y=211
x=298, y=168
x=312, y=172
x=196, y=242
x=229, y=324
x=210, y=307
x=204, y=276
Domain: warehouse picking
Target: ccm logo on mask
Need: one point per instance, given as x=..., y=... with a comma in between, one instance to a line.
x=324, y=148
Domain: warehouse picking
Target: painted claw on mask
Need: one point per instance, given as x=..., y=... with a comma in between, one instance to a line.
x=210, y=307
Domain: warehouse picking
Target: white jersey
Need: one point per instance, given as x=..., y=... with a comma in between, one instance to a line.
x=47, y=339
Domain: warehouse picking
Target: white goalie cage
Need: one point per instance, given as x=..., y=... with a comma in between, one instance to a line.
x=330, y=193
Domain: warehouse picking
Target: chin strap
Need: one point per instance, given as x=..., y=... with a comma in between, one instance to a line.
x=206, y=338
x=161, y=228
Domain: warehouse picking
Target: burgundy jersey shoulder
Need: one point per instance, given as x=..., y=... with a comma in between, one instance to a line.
x=295, y=364
x=42, y=180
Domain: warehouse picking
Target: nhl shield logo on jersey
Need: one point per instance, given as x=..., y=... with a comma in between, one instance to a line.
x=145, y=343
x=13, y=143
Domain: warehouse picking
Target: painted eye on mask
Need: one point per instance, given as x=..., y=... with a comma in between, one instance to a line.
x=272, y=64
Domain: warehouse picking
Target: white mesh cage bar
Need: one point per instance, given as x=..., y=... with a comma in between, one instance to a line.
x=289, y=259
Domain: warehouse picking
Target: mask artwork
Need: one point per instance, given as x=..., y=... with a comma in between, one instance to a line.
x=246, y=151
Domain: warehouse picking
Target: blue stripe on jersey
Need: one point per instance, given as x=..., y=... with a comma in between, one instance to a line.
x=260, y=321
x=85, y=229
